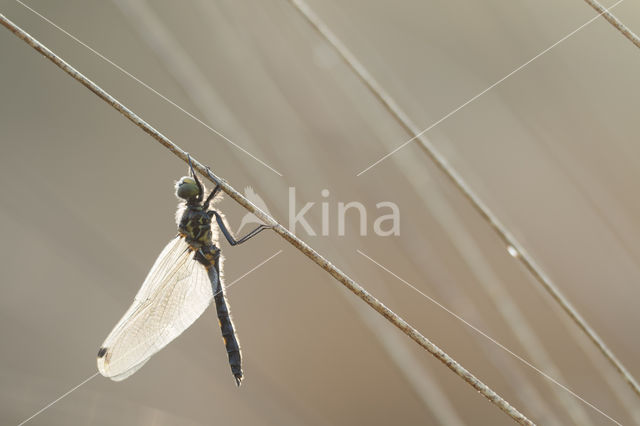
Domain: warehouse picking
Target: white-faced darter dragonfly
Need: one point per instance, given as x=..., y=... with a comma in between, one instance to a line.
x=183, y=281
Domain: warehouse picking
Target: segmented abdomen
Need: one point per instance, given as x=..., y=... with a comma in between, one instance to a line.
x=210, y=258
x=229, y=335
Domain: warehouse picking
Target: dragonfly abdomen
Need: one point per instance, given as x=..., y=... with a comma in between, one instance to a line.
x=210, y=258
x=229, y=335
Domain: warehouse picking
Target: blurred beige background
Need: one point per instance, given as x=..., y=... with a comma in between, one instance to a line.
x=87, y=204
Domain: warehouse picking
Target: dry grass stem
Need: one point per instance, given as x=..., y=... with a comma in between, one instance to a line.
x=500, y=229
x=615, y=22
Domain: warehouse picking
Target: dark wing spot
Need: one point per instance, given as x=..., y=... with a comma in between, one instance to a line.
x=102, y=352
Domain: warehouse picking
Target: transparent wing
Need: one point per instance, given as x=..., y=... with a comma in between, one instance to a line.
x=175, y=293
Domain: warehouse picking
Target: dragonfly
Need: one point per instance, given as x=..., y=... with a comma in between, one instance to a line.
x=184, y=280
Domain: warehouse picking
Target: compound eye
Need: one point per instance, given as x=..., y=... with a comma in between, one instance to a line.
x=187, y=188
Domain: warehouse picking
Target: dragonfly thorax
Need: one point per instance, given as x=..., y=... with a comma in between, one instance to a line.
x=195, y=226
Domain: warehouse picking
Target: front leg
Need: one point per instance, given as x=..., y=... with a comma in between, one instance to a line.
x=195, y=177
x=212, y=195
x=215, y=190
x=228, y=235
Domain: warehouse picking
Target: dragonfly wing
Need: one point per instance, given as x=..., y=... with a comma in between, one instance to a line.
x=175, y=293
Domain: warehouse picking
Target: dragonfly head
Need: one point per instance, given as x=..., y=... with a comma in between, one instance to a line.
x=187, y=188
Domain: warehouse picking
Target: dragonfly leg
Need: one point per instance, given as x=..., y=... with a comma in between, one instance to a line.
x=212, y=176
x=195, y=177
x=215, y=190
x=230, y=237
